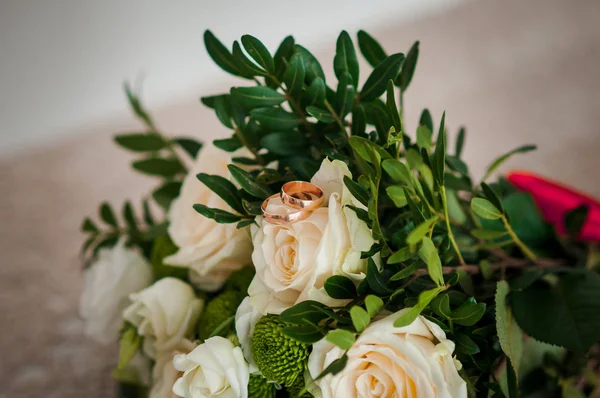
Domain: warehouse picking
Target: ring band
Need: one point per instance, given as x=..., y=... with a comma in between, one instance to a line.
x=296, y=194
x=282, y=219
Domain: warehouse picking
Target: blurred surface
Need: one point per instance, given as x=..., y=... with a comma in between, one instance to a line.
x=513, y=72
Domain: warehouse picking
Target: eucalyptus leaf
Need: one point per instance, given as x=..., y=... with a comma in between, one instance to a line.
x=162, y=167
x=224, y=188
x=485, y=209
x=220, y=216
x=275, y=118
x=257, y=96
x=340, y=287
x=497, y=162
x=141, y=142
x=321, y=115
x=248, y=183
x=220, y=54
x=370, y=48
x=378, y=79
x=341, y=338
x=189, y=145
x=294, y=75
x=286, y=143
x=257, y=50
x=345, y=60
x=408, y=68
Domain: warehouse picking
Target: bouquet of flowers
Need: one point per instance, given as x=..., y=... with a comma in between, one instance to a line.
x=327, y=249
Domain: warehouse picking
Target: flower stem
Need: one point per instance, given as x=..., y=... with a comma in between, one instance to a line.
x=526, y=251
x=335, y=116
x=448, y=226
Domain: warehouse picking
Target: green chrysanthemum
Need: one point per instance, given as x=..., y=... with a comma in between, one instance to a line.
x=259, y=387
x=240, y=280
x=217, y=311
x=278, y=357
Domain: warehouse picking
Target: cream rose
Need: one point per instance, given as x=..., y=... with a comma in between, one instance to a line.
x=164, y=374
x=164, y=314
x=108, y=282
x=294, y=261
x=210, y=250
x=215, y=368
x=246, y=318
x=385, y=361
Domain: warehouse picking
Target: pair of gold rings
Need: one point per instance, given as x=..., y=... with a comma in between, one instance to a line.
x=302, y=196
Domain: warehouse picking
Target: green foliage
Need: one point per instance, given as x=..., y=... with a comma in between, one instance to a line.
x=277, y=356
x=239, y=280
x=215, y=319
x=259, y=387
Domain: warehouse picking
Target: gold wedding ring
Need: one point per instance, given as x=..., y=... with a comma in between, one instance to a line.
x=301, y=195
x=281, y=219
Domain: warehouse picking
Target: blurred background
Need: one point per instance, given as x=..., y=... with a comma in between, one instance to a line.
x=513, y=71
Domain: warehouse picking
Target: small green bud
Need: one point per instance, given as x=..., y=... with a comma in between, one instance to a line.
x=217, y=311
x=240, y=280
x=259, y=387
x=278, y=357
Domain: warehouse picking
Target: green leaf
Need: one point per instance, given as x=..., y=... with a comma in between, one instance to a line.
x=412, y=313
x=244, y=65
x=494, y=165
x=334, y=367
x=417, y=234
x=321, y=115
x=244, y=223
x=341, y=338
x=359, y=120
x=485, y=209
x=441, y=306
x=345, y=60
x=275, y=118
x=307, y=333
x=166, y=193
x=370, y=48
x=429, y=254
x=465, y=345
x=282, y=55
x=488, y=234
x=424, y=137
x=223, y=110
x=257, y=96
x=108, y=215
x=408, y=68
x=375, y=280
x=294, y=75
x=315, y=94
x=148, y=219
x=220, y=216
x=163, y=167
x=141, y=142
x=258, y=52
x=88, y=226
x=340, y=287
x=438, y=161
x=492, y=197
x=313, y=67
x=357, y=190
x=286, y=144
x=460, y=141
x=344, y=96
x=360, y=318
x=308, y=311
x=397, y=170
x=128, y=345
x=224, y=188
x=509, y=333
x=468, y=314
x=189, y=145
x=247, y=182
x=575, y=220
x=377, y=81
x=220, y=54
x=374, y=304
x=137, y=107
x=392, y=108
x=397, y=194
x=228, y=144
x=426, y=119
x=403, y=273
x=567, y=314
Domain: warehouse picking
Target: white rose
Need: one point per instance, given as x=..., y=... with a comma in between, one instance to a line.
x=215, y=368
x=164, y=314
x=164, y=373
x=108, y=282
x=211, y=250
x=293, y=261
x=385, y=361
x=246, y=318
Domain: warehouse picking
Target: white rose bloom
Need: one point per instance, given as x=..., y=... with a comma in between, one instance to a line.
x=164, y=314
x=211, y=251
x=215, y=368
x=108, y=282
x=164, y=373
x=293, y=261
x=246, y=318
x=385, y=361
